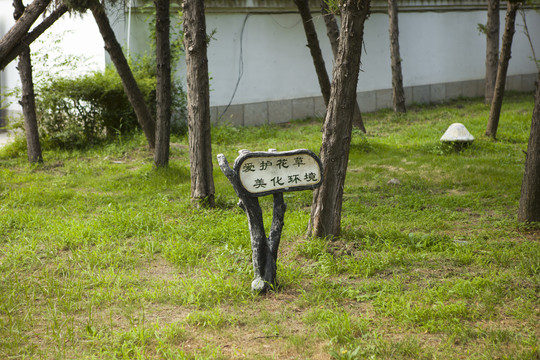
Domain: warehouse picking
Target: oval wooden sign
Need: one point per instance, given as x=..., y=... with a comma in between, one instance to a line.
x=263, y=173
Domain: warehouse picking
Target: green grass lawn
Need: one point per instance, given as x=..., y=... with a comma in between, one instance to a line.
x=103, y=257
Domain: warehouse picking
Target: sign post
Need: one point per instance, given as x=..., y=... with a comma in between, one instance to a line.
x=256, y=174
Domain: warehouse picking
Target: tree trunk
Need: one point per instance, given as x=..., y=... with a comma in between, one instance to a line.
x=496, y=103
x=332, y=31
x=198, y=103
x=131, y=88
x=398, y=95
x=327, y=199
x=163, y=91
x=28, y=102
x=492, y=48
x=529, y=203
x=33, y=35
x=29, y=108
x=13, y=37
x=314, y=48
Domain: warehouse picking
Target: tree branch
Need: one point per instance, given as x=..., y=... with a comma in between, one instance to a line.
x=33, y=35
x=21, y=27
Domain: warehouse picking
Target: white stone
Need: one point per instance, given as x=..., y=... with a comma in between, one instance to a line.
x=457, y=133
x=257, y=285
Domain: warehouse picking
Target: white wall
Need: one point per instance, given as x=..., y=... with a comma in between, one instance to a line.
x=436, y=47
x=276, y=63
x=445, y=48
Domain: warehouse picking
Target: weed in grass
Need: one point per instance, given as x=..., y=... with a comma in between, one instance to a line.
x=429, y=314
x=529, y=264
x=213, y=319
x=346, y=354
x=336, y=325
x=450, y=148
x=14, y=149
x=207, y=290
x=299, y=343
x=312, y=248
x=359, y=142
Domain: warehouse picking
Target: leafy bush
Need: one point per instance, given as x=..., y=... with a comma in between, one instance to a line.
x=77, y=112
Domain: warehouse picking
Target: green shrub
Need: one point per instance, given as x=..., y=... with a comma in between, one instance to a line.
x=77, y=112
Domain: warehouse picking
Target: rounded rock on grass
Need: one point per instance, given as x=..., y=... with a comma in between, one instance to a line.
x=457, y=136
x=457, y=133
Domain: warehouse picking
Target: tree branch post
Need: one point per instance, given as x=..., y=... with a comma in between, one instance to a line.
x=264, y=249
x=262, y=173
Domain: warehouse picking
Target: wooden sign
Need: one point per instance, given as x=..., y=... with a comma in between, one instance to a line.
x=263, y=173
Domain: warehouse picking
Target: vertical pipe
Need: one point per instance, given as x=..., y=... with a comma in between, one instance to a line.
x=128, y=27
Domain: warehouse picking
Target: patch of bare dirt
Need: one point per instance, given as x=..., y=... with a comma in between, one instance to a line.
x=158, y=269
x=531, y=234
x=181, y=147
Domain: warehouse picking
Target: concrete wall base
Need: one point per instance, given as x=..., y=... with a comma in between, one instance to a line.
x=280, y=111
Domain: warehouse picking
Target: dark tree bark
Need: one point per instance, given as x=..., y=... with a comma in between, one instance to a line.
x=28, y=102
x=163, y=91
x=314, y=48
x=529, y=203
x=327, y=199
x=33, y=35
x=29, y=108
x=131, y=88
x=13, y=37
x=332, y=31
x=496, y=103
x=492, y=48
x=264, y=249
x=398, y=95
x=198, y=103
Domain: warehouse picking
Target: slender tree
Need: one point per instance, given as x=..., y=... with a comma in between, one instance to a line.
x=325, y=217
x=163, y=91
x=314, y=48
x=496, y=103
x=14, y=35
x=28, y=102
x=28, y=38
x=29, y=108
x=528, y=35
x=332, y=31
x=529, y=203
x=492, y=48
x=198, y=103
x=129, y=83
x=398, y=95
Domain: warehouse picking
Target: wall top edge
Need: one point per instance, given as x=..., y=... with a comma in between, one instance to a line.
x=287, y=6
x=314, y=4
